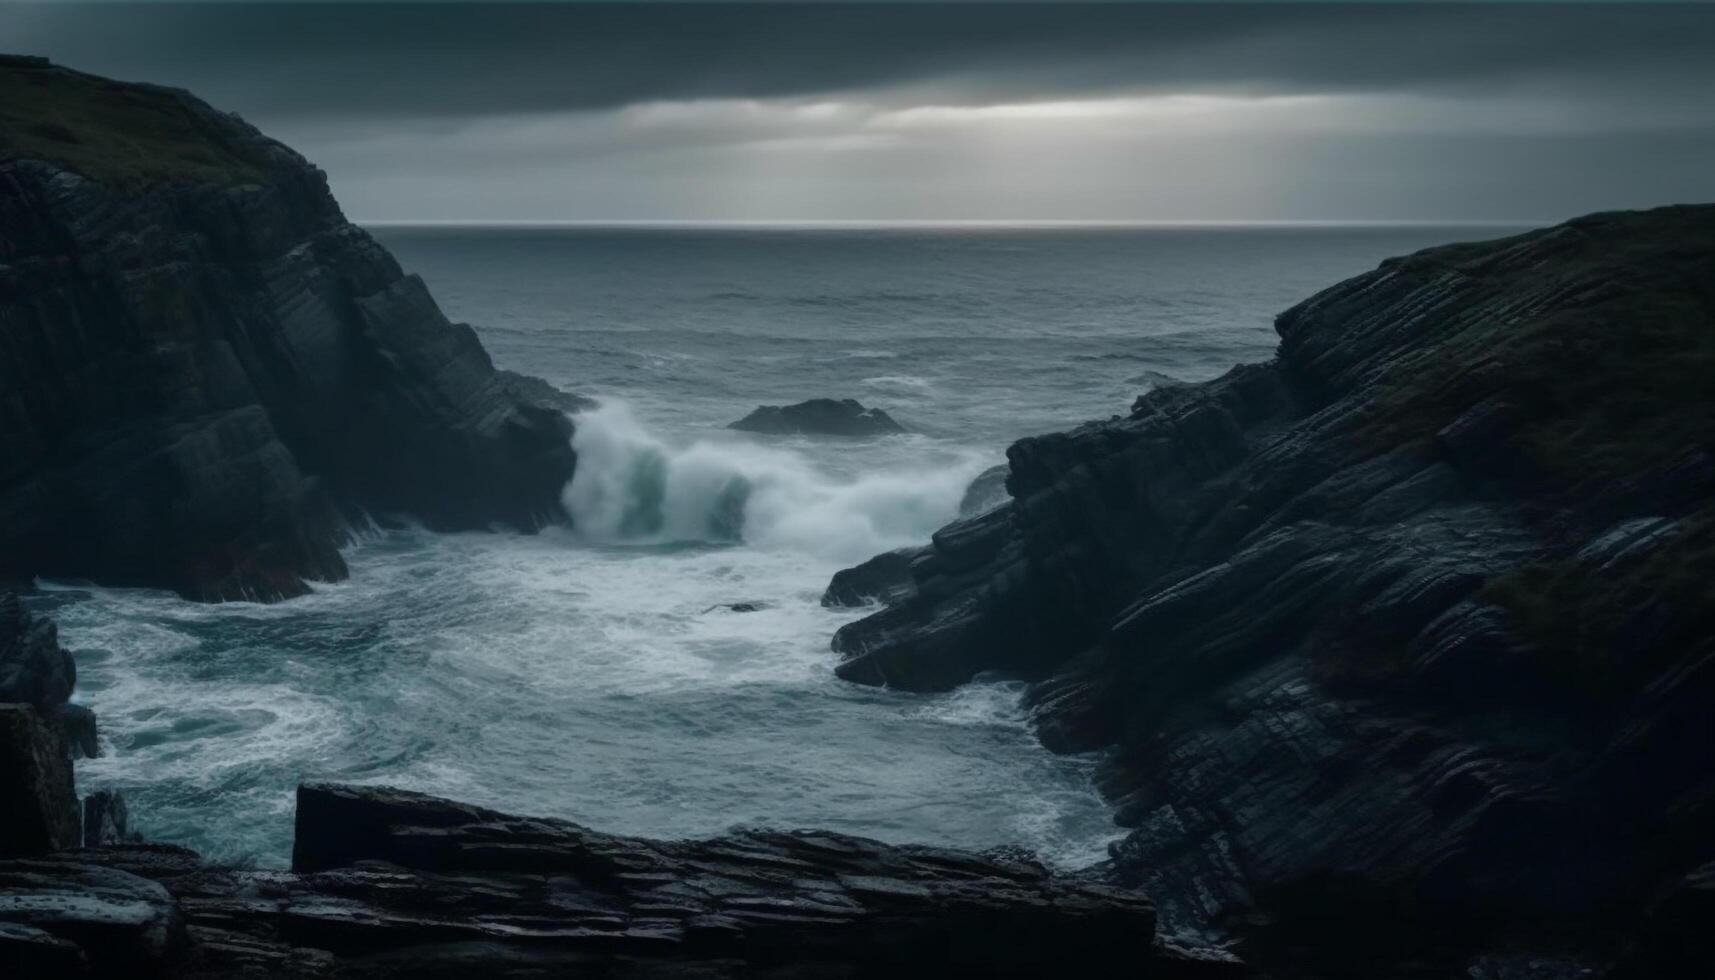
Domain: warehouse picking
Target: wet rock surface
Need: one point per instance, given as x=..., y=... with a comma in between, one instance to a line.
x=387, y=883
x=33, y=668
x=106, y=819
x=985, y=493
x=38, y=801
x=204, y=368
x=885, y=579
x=39, y=734
x=1396, y=639
x=819, y=417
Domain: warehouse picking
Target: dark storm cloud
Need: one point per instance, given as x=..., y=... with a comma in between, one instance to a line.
x=395, y=60
x=931, y=111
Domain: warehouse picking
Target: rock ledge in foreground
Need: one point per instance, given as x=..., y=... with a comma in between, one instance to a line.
x=388, y=883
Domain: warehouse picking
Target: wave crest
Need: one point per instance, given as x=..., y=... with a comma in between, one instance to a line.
x=630, y=487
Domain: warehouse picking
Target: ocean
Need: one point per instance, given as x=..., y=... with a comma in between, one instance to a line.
x=590, y=673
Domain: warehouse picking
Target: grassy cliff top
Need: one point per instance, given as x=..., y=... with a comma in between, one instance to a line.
x=120, y=133
x=1600, y=332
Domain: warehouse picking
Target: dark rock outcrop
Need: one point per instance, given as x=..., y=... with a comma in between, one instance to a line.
x=38, y=802
x=819, y=417
x=1677, y=938
x=535, y=391
x=34, y=669
x=39, y=734
x=77, y=725
x=1408, y=635
x=393, y=884
x=106, y=819
x=886, y=579
x=985, y=493
x=204, y=367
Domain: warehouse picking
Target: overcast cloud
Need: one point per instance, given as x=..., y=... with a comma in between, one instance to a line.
x=959, y=111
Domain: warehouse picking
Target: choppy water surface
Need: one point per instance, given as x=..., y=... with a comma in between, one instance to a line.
x=584, y=673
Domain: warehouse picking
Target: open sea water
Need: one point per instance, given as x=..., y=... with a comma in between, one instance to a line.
x=586, y=673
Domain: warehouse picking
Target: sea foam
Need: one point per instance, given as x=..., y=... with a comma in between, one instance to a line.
x=632, y=487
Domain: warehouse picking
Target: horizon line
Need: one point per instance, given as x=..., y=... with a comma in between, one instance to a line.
x=787, y=223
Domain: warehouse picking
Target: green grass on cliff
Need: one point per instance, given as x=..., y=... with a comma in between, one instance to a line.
x=1608, y=632
x=114, y=132
x=1610, y=393
x=1608, y=388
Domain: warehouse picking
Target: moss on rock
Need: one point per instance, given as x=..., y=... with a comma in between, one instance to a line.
x=119, y=133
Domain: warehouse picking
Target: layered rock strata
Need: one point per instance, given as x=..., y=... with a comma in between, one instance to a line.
x=392, y=884
x=205, y=369
x=1407, y=634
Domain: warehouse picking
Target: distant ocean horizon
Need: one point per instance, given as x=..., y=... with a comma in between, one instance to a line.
x=932, y=223
x=591, y=673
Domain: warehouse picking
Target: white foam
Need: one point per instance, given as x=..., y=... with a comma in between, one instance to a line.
x=631, y=487
x=907, y=384
x=598, y=674
x=984, y=703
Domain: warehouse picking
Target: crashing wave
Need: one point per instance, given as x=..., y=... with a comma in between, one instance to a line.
x=631, y=487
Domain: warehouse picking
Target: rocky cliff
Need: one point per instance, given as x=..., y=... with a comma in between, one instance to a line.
x=205, y=370
x=1402, y=644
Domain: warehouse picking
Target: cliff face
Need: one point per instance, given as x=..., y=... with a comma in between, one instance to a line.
x=204, y=367
x=1406, y=637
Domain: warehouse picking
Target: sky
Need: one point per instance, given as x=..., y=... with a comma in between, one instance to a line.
x=963, y=111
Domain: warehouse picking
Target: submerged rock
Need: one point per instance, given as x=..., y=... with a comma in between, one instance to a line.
x=819, y=417
x=387, y=883
x=204, y=366
x=740, y=607
x=1395, y=633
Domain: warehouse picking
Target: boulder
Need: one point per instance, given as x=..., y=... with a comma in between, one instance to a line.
x=819, y=417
